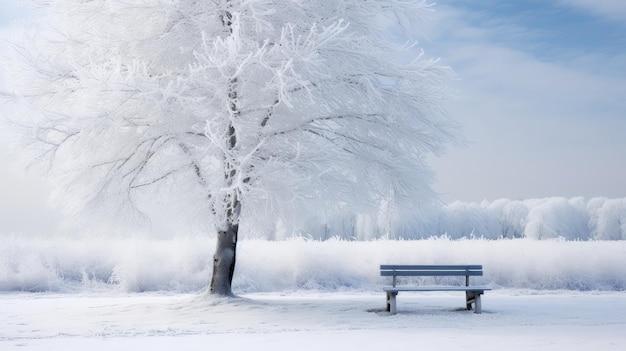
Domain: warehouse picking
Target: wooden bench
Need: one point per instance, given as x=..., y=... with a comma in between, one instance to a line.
x=472, y=293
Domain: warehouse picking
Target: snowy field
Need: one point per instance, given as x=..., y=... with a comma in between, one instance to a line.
x=129, y=294
x=512, y=320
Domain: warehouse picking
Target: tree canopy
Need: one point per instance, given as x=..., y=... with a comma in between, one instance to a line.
x=261, y=108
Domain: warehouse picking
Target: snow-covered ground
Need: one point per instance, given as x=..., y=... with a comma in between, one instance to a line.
x=138, y=293
x=512, y=320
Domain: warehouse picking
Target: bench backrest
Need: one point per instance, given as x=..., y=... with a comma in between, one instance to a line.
x=394, y=271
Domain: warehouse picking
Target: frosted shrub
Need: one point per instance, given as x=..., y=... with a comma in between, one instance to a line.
x=558, y=218
x=610, y=220
x=512, y=216
x=463, y=220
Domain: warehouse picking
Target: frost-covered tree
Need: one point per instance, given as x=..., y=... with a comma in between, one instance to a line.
x=243, y=108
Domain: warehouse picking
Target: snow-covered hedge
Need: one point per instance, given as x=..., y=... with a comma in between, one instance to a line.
x=184, y=264
x=547, y=218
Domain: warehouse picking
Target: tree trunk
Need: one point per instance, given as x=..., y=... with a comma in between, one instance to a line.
x=226, y=247
x=224, y=261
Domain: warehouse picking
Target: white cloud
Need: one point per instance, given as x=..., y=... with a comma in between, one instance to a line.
x=539, y=128
x=613, y=9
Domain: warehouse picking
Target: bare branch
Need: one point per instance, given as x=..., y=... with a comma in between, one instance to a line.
x=368, y=118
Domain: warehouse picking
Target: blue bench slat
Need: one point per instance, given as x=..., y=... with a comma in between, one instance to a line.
x=436, y=288
x=429, y=273
x=427, y=267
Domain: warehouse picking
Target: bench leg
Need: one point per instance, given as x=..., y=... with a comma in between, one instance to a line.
x=468, y=300
x=391, y=302
x=478, y=304
x=473, y=297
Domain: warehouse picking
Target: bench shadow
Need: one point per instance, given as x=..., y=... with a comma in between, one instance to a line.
x=382, y=311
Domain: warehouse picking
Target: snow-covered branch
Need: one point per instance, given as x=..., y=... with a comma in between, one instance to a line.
x=286, y=109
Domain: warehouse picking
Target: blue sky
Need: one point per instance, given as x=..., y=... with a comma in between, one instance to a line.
x=541, y=98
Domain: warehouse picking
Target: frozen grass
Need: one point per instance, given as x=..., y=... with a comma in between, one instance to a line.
x=184, y=264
